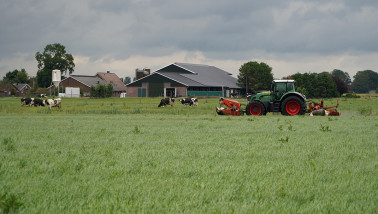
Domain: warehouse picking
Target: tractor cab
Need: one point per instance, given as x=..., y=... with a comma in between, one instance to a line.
x=281, y=87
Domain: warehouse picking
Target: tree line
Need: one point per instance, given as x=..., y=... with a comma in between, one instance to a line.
x=255, y=77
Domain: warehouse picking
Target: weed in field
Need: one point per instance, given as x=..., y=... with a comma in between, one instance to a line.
x=78, y=167
x=251, y=119
x=324, y=128
x=22, y=163
x=136, y=111
x=365, y=111
x=290, y=128
x=284, y=140
x=8, y=142
x=332, y=118
x=9, y=203
x=136, y=130
x=280, y=127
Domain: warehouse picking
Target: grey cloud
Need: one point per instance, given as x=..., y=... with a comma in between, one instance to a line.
x=220, y=29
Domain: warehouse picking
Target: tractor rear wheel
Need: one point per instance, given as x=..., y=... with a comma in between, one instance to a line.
x=293, y=106
x=255, y=108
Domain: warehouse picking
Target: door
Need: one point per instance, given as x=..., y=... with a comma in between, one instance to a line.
x=170, y=92
x=142, y=92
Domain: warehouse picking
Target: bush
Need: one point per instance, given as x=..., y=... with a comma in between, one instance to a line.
x=351, y=96
x=101, y=91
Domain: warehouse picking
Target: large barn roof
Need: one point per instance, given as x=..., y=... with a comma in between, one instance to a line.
x=112, y=78
x=196, y=75
x=88, y=80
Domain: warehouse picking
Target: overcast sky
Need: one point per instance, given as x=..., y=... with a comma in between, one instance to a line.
x=122, y=35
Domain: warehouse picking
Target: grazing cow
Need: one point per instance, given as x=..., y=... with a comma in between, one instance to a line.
x=43, y=95
x=166, y=101
x=195, y=101
x=53, y=102
x=37, y=102
x=189, y=101
x=26, y=101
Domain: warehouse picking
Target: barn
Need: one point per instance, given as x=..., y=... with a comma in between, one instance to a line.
x=15, y=89
x=85, y=82
x=183, y=79
x=82, y=81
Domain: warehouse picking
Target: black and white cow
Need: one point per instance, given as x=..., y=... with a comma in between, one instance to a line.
x=43, y=95
x=195, y=101
x=189, y=101
x=37, y=102
x=26, y=101
x=166, y=101
x=53, y=102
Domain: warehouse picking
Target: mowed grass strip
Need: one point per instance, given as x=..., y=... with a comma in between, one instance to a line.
x=185, y=160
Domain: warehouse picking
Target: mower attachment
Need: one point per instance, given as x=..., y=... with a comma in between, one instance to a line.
x=319, y=109
x=232, y=107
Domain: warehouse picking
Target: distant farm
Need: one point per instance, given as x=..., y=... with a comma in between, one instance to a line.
x=128, y=156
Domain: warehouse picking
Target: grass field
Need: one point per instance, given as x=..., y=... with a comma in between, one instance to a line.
x=129, y=156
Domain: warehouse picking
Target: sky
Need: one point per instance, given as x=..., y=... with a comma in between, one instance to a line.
x=123, y=35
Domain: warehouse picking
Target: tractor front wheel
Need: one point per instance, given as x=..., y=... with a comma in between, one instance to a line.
x=255, y=108
x=293, y=106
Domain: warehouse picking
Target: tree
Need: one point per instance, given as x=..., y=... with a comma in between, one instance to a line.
x=93, y=91
x=53, y=57
x=364, y=81
x=255, y=76
x=109, y=90
x=16, y=76
x=315, y=85
x=344, y=76
x=325, y=85
x=127, y=80
x=342, y=87
x=101, y=90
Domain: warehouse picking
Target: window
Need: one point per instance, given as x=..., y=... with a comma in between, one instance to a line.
x=142, y=92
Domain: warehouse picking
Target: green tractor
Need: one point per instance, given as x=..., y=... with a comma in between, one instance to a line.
x=282, y=97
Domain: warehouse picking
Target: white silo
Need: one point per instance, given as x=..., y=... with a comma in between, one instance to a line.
x=56, y=77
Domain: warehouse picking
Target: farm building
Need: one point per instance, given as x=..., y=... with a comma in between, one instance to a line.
x=112, y=78
x=16, y=89
x=85, y=82
x=182, y=79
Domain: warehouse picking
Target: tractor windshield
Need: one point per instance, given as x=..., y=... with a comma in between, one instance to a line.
x=290, y=86
x=282, y=87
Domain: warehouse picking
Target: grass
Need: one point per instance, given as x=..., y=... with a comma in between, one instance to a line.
x=128, y=156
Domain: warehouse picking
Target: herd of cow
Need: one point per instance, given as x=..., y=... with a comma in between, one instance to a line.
x=184, y=101
x=58, y=102
x=38, y=102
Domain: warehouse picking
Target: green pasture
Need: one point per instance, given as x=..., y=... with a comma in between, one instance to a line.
x=129, y=156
